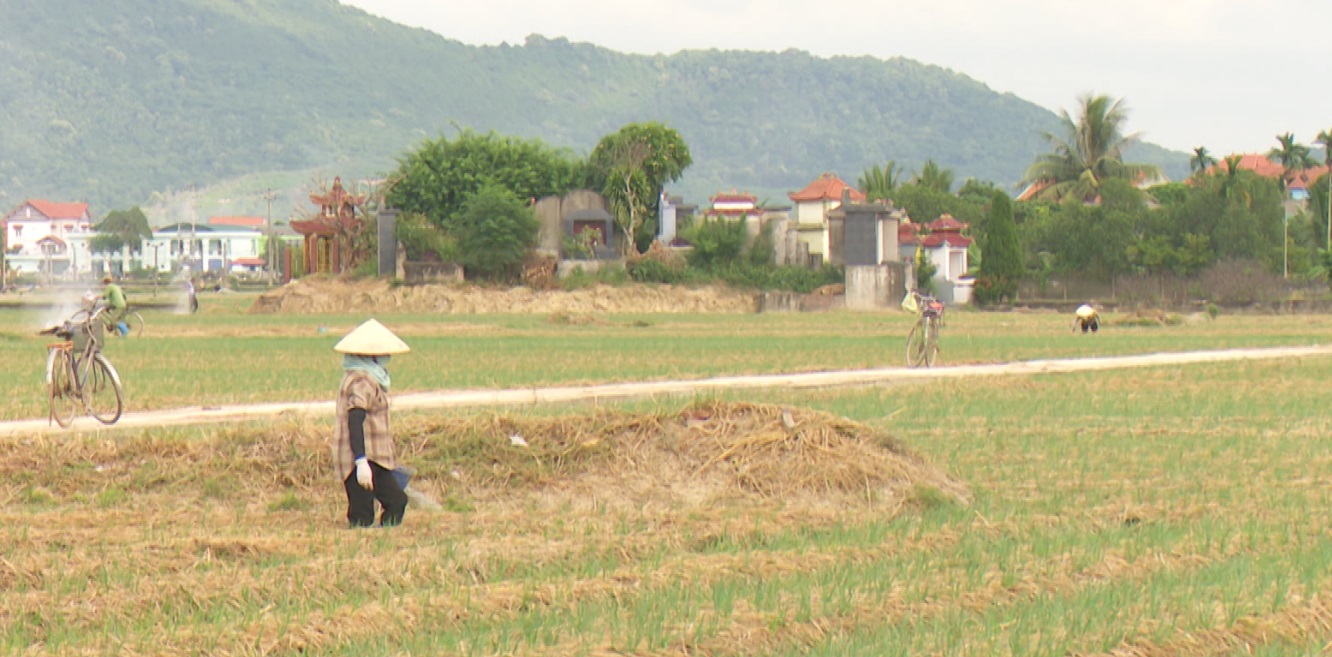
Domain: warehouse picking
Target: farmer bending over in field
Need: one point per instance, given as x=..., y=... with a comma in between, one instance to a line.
x=1087, y=319
x=362, y=441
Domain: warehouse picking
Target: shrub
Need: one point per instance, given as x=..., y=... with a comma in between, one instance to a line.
x=716, y=242
x=495, y=230
x=423, y=240
x=653, y=271
x=580, y=278
x=762, y=250
x=581, y=246
x=925, y=270
x=785, y=277
x=658, y=265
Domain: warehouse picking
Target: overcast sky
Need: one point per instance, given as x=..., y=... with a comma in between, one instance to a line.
x=1226, y=74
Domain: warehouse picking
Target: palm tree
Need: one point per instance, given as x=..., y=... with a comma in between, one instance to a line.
x=1291, y=156
x=878, y=183
x=1233, y=187
x=1324, y=138
x=1090, y=150
x=1201, y=161
x=933, y=177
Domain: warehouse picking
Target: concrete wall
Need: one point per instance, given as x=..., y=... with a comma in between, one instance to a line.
x=778, y=302
x=551, y=210
x=424, y=273
x=568, y=267
x=871, y=287
x=549, y=217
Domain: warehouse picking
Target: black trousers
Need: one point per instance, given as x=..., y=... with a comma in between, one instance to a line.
x=361, y=502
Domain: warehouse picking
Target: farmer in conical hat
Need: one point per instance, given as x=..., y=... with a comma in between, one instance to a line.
x=362, y=440
x=1086, y=318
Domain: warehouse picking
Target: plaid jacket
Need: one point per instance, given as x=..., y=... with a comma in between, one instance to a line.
x=359, y=390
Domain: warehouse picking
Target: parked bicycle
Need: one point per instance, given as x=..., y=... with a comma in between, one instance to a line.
x=79, y=377
x=922, y=346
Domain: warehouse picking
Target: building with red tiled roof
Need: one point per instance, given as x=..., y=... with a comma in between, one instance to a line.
x=734, y=206
x=827, y=187
x=812, y=205
x=1297, y=183
x=55, y=210
x=1032, y=190
x=48, y=237
x=942, y=241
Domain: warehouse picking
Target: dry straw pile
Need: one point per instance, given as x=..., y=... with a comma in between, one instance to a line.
x=704, y=453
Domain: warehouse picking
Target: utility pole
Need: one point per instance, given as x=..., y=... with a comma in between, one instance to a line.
x=189, y=247
x=4, y=247
x=272, y=246
x=1285, y=246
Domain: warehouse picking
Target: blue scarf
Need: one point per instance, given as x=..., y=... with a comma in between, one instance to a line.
x=372, y=365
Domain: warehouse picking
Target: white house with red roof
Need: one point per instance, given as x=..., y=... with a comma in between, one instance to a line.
x=812, y=205
x=223, y=244
x=241, y=240
x=734, y=206
x=944, y=244
x=737, y=207
x=49, y=238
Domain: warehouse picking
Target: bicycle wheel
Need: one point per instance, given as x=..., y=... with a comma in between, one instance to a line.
x=102, y=391
x=931, y=342
x=63, y=393
x=135, y=323
x=915, y=345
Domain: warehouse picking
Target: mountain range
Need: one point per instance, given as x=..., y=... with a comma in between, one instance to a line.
x=202, y=106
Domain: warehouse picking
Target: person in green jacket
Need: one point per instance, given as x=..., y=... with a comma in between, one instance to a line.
x=116, y=306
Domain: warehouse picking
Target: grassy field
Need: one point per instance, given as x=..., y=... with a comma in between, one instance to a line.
x=1158, y=511
x=226, y=356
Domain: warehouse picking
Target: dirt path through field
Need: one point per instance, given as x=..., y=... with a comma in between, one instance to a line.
x=612, y=391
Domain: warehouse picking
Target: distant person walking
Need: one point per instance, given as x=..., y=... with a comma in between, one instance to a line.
x=116, y=306
x=363, y=453
x=194, y=298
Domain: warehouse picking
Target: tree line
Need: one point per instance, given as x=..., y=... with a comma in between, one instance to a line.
x=1084, y=210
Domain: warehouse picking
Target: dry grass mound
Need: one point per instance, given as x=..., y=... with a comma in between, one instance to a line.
x=702, y=454
x=699, y=455
x=315, y=295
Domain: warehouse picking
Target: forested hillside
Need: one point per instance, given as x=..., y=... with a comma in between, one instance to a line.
x=112, y=102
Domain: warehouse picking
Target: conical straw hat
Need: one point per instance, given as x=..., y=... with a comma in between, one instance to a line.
x=371, y=339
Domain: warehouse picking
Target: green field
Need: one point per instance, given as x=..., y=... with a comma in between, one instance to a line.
x=1155, y=511
x=226, y=356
